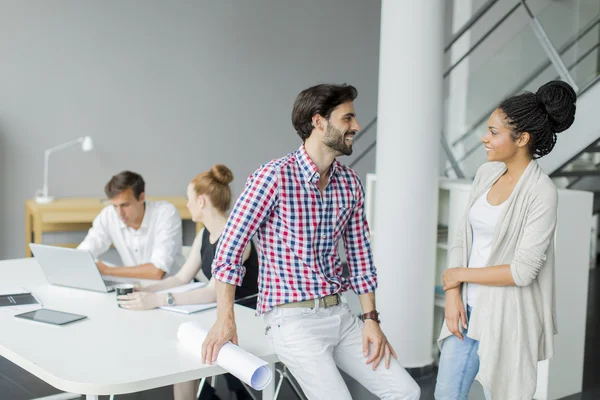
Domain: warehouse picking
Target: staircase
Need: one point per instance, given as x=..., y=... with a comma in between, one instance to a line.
x=504, y=48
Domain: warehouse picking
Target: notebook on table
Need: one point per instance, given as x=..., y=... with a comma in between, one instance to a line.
x=187, y=308
x=14, y=296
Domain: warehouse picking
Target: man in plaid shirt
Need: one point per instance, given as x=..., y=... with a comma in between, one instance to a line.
x=299, y=207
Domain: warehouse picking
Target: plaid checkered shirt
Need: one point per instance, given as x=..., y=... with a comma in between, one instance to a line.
x=298, y=230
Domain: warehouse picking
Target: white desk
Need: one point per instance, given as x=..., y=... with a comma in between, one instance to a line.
x=113, y=351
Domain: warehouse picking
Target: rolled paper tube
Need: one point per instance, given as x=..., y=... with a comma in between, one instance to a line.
x=245, y=366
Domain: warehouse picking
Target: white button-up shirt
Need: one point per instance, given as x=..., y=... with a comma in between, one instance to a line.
x=157, y=241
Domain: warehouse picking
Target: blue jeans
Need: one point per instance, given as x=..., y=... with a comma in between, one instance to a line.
x=459, y=364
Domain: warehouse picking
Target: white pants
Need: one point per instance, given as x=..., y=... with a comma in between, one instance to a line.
x=313, y=343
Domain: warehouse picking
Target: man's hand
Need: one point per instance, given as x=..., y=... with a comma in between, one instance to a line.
x=372, y=334
x=140, y=300
x=103, y=268
x=455, y=312
x=451, y=278
x=223, y=331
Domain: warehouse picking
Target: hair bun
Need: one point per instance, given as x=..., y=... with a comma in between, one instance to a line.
x=222, y=174
x=558, y=99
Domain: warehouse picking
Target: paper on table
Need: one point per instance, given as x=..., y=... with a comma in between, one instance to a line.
x=184, y=288
x=187, y=308
x=9, y=289
x=190, y=308
x=245, y=366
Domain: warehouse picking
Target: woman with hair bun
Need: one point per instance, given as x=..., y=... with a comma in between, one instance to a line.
x=501, y=264
x=209, y=198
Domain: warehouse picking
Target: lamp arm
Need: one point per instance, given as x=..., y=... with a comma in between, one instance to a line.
x=62, y=146
x=47, y=160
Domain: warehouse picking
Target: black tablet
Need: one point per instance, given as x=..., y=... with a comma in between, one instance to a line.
x=51, y=316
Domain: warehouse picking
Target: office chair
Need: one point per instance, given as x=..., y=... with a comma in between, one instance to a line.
x=284, y=373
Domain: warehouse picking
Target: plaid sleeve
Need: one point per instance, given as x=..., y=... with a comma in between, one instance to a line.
x=251, y=209
x=363, y=275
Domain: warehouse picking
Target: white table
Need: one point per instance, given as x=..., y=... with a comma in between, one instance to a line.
x=113, y=351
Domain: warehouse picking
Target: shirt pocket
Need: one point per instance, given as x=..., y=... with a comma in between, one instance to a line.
x=342, y=213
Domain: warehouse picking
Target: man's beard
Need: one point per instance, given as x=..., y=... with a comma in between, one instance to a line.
x=335, y=139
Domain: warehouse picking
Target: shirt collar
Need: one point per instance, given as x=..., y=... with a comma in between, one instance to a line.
x=308, y=167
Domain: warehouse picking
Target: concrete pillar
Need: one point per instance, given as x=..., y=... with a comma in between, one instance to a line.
x=408, y=146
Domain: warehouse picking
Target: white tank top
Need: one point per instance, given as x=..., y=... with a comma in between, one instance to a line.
x=483, y=218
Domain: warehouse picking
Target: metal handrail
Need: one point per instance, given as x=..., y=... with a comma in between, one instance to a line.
x=552, y=53
x=549, y=49
x=363, y=154
x=472, y=21
x=481, y=39
x=365, y=129
x=451, y=159
x=530, y=78
x=571, y=66
x=589, y=85
x=584, y=55
x=453, y=163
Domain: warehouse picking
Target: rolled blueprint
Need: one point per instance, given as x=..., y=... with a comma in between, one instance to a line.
x=245, y=366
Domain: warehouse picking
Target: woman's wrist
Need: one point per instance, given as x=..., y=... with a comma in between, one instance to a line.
x=461, y=274
x=159, y=299
x=454, y=292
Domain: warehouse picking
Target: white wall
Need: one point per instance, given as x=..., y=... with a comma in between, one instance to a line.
x=165, y=88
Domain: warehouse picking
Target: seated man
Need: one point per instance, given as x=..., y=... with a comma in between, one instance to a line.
x=146, y=234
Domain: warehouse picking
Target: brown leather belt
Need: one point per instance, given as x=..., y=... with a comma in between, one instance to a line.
x=324, y=302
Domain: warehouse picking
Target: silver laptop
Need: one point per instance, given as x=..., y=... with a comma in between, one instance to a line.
x=70, y=267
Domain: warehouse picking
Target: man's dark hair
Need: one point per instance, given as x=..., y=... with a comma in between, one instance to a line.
x=322, y=100
x=123, y=181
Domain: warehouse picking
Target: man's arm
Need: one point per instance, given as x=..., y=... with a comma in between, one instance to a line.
x=367, y=302
x=363, y=275
x=375, y=344
x=224, y=329
x=167, y=244
x=363, y=279
x=143, y=271
x=98, y=239
x=250, y=211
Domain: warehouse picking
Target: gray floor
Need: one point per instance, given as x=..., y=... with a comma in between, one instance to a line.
x=17, y=384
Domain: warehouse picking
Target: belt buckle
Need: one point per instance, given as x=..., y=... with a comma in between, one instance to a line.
x=325, y=305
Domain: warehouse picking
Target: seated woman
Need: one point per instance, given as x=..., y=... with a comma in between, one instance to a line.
x=209, y=198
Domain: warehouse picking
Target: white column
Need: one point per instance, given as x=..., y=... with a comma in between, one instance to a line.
x=408, y=146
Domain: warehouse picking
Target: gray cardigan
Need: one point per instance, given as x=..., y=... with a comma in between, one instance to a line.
x=515, y=325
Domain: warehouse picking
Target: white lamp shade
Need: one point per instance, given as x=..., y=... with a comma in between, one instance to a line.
x=87, y=144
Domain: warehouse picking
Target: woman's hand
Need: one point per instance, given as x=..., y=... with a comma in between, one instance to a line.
x=140, y=301
x=455, y=312
x=451, y=278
